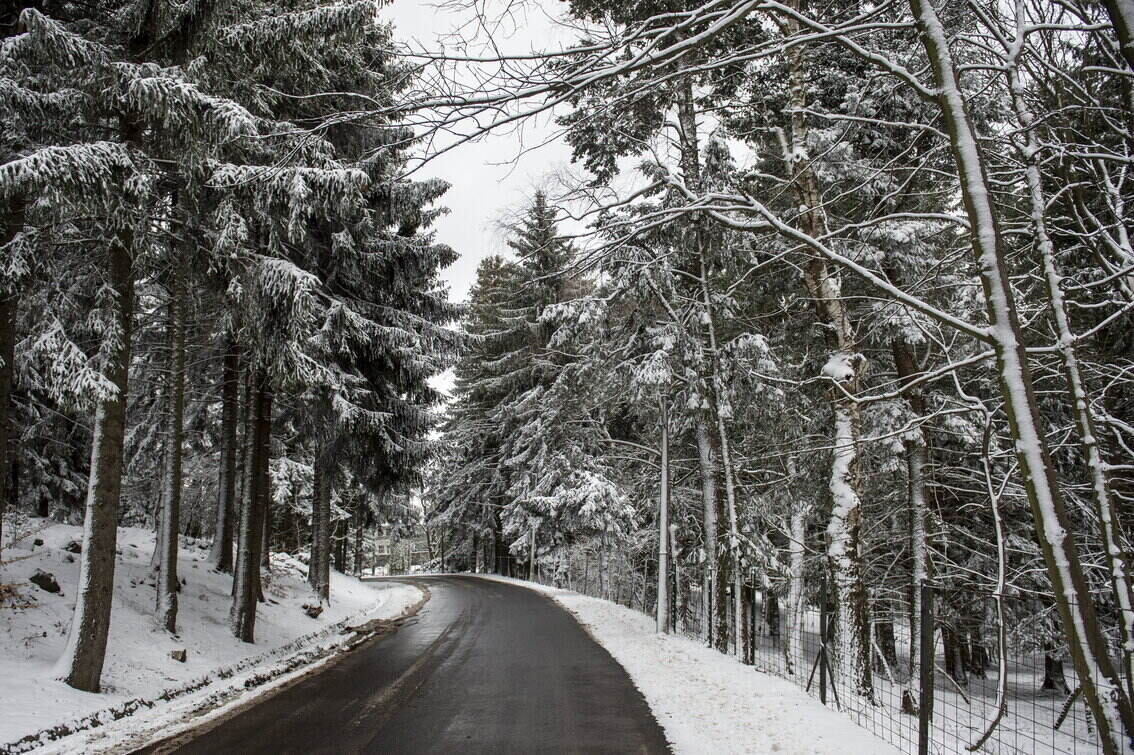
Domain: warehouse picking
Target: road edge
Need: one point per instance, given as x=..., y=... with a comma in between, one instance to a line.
x=205, y=711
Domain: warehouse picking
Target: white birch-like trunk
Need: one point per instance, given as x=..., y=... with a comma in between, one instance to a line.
x=844, y=545
x=844, y=368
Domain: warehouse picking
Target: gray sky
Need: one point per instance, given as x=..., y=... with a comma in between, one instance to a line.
x=491, y=176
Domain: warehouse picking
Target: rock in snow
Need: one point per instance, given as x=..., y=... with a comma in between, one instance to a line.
x=44, y=581
x=178, y=655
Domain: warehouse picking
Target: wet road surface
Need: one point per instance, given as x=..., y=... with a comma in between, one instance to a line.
x=484, y=667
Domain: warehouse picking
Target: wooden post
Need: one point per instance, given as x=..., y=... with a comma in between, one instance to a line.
x=925, y=704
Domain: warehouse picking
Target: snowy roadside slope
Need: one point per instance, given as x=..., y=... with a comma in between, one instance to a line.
x=708, y=702
x=34, y=624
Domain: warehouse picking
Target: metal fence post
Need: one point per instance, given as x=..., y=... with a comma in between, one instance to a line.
x=823, y=640
x=925, y=703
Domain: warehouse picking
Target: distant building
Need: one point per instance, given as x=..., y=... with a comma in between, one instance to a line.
x=394, y=554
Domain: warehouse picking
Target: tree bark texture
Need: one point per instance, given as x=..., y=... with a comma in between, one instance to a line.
x=82, y=660
x=220, y=555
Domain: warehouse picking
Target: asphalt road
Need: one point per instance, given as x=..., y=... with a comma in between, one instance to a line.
x=485, y=667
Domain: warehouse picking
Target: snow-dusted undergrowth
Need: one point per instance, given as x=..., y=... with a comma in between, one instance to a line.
x=34, y=623
x=708, y=702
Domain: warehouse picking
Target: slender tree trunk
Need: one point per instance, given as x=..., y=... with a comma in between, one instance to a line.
x=316, y=498
x=8, y=307
x=13, y=223
x=358, y=538
x=220, y=556
x=736, y=630
x=322, y=542
x=266, y=535
x=246, y=581
x=82, y=660
x=1101, y=685
x=917, y=462
x=796, y=608
x=663, y=607
x=167, y=584
x=844, y=368
x=708, y=469
x=1108, y=521
x=342, y=536
x=264, y=548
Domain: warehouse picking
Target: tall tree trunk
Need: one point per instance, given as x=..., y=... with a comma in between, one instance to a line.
x=717, y=389
x=246, y=582
x=316, y=498
x=1106, y=513
x=844, y=368
x=321, y=541
x=796, y=607
x=247, y=458
x=264, y=547
x=8, y=307
x=266, y=537
x=13, y=223
x=81, y=663
x=220, y=555
x=358, y=538
x=707, y=463
x=663, y=607
x=167, y=584
x=917, y=463
x=1101, y=685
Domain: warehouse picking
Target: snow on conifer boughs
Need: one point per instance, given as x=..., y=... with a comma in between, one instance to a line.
x=83, y=168
x=177, y=162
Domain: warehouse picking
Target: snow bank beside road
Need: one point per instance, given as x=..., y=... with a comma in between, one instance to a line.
x=708, y=702
x=34, y=625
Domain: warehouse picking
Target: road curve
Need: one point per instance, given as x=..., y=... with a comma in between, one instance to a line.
x=485, y=667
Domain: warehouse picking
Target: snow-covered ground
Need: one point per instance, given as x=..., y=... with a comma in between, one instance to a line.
x=708, y=702
x=34, y=625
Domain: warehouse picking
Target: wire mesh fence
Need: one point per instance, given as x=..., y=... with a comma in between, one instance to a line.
x=996, y=681
x=996, y=677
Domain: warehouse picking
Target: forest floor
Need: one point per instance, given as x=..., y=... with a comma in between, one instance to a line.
x=708, y=702
x=140, y=674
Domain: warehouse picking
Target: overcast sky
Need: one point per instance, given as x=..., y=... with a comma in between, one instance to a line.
x=494, y=175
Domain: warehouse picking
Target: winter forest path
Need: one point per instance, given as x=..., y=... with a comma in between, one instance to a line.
x=484, y=667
